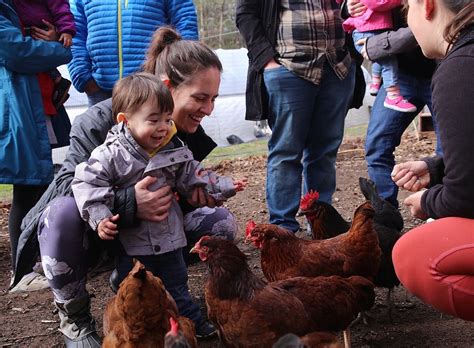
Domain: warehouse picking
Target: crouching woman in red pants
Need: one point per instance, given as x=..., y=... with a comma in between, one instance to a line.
x=436, y=260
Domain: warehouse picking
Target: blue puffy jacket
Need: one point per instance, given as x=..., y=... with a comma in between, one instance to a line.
x=113, y=35
x=25, y=153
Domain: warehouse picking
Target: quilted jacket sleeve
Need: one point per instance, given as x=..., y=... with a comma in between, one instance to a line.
x=93, y=188
x=182, y=16
x=80, y=67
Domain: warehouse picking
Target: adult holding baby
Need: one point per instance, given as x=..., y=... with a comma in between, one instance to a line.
x=192, y=72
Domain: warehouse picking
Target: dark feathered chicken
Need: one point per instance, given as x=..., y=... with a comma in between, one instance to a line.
x=388, y=223
x=324, y=219
x=248, y=312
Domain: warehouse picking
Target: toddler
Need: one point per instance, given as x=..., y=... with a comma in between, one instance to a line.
x=376, y=19
x=34, y=13
x=142, y=144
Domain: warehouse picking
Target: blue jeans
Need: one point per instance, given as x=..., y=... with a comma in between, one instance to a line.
x=386, y=128
x=386, y=67
x=98, y=96
x=307, y=122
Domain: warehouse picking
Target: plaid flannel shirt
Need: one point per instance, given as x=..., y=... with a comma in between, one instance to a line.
x=310, y=33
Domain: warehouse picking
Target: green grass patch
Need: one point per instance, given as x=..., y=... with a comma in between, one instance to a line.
x=6, y=192
x=254, y=148
x=259, y=147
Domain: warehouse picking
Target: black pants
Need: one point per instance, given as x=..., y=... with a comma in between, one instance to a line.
x=24, y=198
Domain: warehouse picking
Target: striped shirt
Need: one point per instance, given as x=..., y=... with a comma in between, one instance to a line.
x=309, y=34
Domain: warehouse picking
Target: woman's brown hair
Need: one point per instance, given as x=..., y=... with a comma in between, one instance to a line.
x=177, y=59
x=464, y=17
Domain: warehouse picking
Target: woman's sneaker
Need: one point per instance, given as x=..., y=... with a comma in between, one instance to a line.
x=205, y=329
x=374, y=88
x=399, y=104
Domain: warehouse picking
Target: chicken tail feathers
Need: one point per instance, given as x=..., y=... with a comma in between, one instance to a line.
x=370, y=193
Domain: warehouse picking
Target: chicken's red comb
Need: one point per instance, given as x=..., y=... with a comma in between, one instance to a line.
x=174, y=326
x=249, y=227
x=308, y=198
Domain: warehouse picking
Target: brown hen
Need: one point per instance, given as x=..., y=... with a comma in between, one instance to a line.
x=138, y=316
x=283, y=255
x=248, y=312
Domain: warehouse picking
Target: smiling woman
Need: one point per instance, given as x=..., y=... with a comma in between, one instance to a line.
x=434, y=261
x=192, y=72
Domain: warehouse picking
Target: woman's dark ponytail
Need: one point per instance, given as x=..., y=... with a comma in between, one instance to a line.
x=161, y=38
x=177, y=59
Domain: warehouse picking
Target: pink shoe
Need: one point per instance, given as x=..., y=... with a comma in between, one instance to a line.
x=399, y=104
x=374, y=88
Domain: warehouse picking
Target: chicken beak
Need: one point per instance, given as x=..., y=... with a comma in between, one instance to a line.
x=194, y=250
x=300, y=213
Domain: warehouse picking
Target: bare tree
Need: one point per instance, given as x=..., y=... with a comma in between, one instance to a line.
x=217, y=23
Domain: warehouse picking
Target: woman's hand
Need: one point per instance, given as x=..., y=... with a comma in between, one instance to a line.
x=49, y=34
x=152, y=205
x=91, y=87
x=355, y=8
x=414, y=203
x=363, y=50
x=107, y=228
x=412, y=175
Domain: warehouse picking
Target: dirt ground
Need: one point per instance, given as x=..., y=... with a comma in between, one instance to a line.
x=29, y=319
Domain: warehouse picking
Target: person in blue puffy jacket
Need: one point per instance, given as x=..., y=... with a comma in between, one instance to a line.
x=113, y=36
x=26, y=133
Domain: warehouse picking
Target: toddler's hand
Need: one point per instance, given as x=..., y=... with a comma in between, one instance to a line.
x=107, y=228
x=66, y=39
x=239, y=185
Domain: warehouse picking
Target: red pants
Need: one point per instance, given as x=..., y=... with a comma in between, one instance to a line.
x=435, y=262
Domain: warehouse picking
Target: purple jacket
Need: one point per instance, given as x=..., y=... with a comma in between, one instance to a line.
x=57, y=12
x=377, y=16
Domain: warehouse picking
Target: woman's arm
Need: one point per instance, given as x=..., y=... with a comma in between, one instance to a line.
x=390, y=43
x=453, y=105
x=24, y=55
x=249, y=22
